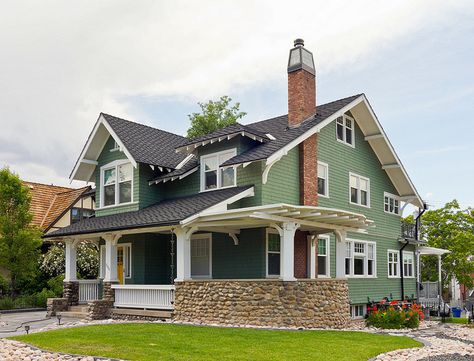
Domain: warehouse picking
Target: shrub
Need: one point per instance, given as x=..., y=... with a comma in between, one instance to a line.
x=56, y=284
x=40, y=298
x=395, y=317
x=4, y=286
x=6, y=303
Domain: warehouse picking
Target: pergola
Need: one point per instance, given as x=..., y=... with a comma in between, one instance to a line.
x=430, y=251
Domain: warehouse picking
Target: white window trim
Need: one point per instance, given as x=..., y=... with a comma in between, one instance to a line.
x=366, y=261
x=358, y=190
x=102, y=262
x=202, y=170
x=328, y=256
x=364, y=311
x=412, y=254
x=326, y=188
x=394, y=197
x=110, y=165
x=201, y=236
x=116, y=147
x=267, y=232
x=398, y=263
x=343, y=141
x=125, y=245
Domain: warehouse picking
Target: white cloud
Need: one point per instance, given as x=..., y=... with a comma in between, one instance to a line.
x=64, y=62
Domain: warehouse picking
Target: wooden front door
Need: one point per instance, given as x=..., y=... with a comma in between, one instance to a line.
x=120, y=264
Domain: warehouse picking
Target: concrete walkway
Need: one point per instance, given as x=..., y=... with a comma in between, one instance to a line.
x=12, y=324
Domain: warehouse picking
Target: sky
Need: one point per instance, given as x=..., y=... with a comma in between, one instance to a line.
x=64, y=62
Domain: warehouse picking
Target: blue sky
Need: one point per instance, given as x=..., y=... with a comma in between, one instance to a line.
x=413, y=60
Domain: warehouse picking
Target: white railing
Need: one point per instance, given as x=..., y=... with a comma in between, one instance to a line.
x=88, y=290
x=144, y=296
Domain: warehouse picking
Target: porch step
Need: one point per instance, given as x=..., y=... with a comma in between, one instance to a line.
x=74, y=314
x=162, y=314
x=79, y=308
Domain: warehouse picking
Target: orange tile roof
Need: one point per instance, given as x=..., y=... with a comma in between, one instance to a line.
x=48, y=202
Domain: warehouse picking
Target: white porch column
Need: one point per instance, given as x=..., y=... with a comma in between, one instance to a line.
x=183, y=254
x=111, y=258
x=312, y=241
x=70, y=273
x=439, y=277
x=287, y=251
x=418, y=274
x=340, y=254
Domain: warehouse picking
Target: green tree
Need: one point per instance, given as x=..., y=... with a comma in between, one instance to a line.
x=214, y=115
x=451, y=228
x=19, y=241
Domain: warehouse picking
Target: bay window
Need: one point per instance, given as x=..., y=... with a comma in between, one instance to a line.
x=212, y=175
x=359, y=190
x=360, y=259
x=117, y=184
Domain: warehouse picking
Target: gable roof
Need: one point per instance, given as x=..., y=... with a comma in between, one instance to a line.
x=140, y=143
x=165, y=213
x=50, y=202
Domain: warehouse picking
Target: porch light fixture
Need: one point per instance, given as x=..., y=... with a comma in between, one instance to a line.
x=27, y=329
x=300, y=58
x=58, y=316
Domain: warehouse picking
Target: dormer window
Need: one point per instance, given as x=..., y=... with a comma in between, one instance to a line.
x=115, y=147
x=345, y=130
x=116, y=184
x=215, y=177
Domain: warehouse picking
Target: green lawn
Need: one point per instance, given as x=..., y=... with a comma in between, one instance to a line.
x=138, y=341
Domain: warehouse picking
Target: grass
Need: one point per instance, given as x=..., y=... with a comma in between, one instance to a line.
x=138, y=341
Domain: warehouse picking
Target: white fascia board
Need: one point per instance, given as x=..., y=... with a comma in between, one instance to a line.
x=283, y=151
x=392, y=150
x=218, y=207
x=119, y=142
x=184, y=161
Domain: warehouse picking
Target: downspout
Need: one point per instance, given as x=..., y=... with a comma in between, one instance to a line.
x=400, y=257
x=417, y=238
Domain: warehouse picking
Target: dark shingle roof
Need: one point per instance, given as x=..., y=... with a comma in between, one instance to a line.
x=167, y=212
x=229, y=130
x=278, y=127
x=190, y=165
x=146, y=144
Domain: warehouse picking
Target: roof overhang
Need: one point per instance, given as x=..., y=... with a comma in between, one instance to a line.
x=315, y=219
x=87, y=162
x=375, y=135
x=431, y=251
x=190, y=147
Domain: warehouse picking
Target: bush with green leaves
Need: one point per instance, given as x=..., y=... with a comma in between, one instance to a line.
x=395, y=318
x=53, y=261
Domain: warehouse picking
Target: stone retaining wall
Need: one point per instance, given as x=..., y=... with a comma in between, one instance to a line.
x=54, y=305
x=321, y=303
x=99, y=309
x=108, y=293
x=71, y=292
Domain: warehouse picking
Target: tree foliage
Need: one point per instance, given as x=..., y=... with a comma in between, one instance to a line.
x=451, y=228
x=19, y=241
x=214, y=115
x=53, y=261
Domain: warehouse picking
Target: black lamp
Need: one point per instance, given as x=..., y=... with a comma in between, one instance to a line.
x=58, y=316
x=27, y=329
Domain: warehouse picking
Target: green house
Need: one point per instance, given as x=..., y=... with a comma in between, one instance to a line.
x=290, y=221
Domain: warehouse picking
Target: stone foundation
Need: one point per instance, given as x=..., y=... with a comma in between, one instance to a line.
x=321, y=303
x=54, y=305
x=99, y=310
x=108, y=292
x=71, y=292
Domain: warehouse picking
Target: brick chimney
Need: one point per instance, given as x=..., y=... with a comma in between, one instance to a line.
x=302, y=105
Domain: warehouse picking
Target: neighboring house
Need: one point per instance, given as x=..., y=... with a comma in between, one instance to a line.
x=281, y=222
x=54, y=207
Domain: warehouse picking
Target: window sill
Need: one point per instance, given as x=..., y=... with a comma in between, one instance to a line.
x=393, y=214
x=359, y=205
x=393, y=277
x=216, y=189
x=345, y=143
x=322, y=195
x=116, y=205
x=363, y=277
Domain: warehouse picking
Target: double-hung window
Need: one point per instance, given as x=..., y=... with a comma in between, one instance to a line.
x=273, y=253
x=408, y=264
x=117, y=184
x=360, y=259
x=359, y=190
x=323, y=256
x=323, y=179
x=393, y=264
x=201, y=258
x=345, y=130
x=358, y=311
x=391, y=203
x=212, y=175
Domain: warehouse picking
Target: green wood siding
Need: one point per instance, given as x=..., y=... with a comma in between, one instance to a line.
x=362, y=160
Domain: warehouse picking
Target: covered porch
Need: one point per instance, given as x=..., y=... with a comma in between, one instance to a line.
x=266, y=245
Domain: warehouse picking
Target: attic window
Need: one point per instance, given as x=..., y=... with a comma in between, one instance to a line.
x=116, y=184
x=345, y=130
x=212, y=175
x=115, y=147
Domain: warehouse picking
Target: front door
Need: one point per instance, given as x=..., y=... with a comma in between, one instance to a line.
x=120, y=264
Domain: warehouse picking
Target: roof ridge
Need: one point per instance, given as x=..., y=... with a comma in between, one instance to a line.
x=48, y=185
x=73, y=190
x=143, y=125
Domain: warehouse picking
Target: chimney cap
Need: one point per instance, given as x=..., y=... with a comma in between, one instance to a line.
x=298, y=42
